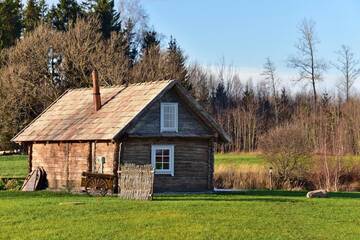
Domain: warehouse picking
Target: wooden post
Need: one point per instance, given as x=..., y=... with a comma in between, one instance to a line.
x=211, y=165
x=116, y=167
x=30, y=150
x=89, y=159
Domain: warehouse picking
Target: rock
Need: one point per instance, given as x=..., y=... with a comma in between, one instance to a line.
x=317, y=194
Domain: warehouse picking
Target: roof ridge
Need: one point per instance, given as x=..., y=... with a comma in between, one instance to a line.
x=124, y=85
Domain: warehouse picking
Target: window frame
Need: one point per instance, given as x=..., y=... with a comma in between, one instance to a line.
x=167, y=129
x=169, y=147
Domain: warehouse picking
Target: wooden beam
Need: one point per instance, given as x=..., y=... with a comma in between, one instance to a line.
x=211, y=164
x=89, y=158
x=30, y=151
x=116, y=167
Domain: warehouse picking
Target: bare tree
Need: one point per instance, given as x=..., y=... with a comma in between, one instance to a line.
x=348, y=65
x=310, y=67
x=270, y=76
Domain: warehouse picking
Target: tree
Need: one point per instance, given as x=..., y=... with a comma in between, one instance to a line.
x=348, y=66
x=150, y=40
x=64, y=14
x=10, y=22
x=43, y=9
x=175, y=63
x=109, y=18
x=270, y=76
x=129, y=42
x=31, y=15
x=310, y=67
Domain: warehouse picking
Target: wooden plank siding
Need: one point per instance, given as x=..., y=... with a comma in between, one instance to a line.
x=189, y=125
x=191, y=162
x=65, y=162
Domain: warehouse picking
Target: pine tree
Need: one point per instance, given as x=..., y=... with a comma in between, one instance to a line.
x=108, y=16
x=10, y=22
x=64, y=14
x=175, y=63
x=129, y=42
x=43, y=9
x=150, y=40
x=31, y=15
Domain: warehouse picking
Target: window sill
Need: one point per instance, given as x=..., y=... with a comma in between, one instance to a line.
x=157, y=172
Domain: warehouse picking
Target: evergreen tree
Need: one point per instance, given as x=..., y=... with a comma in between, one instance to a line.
x=150, y=40
x=64, y=14
x=108, y=16
x=43, y=9
x=10, y=22
x=175, y=63
x=130, y=42
x=31, y=15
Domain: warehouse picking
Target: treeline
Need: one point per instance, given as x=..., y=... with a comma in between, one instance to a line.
x=46, y=50
x=248, y=112
x=54, y=49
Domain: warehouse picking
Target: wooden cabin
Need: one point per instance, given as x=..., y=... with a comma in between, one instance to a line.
x=156, y=123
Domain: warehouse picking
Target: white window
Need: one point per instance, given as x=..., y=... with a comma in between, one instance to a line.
x=169, y=117
x=162, y=159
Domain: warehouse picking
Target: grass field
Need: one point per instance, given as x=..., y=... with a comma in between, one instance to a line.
x=16, y=165
x=247, y=215
x=238, y=159
x=13, y=166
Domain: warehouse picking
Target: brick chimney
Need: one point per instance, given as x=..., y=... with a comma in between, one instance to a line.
x=96, y=91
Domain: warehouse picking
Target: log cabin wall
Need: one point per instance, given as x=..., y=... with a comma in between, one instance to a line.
x=192, y=162
x=65, y=162
x=188, y=123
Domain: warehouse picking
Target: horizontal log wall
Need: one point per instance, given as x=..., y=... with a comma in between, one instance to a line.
x=191, y=162
x=188, y=123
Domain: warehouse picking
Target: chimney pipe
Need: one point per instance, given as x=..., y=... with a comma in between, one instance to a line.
x=96, y=91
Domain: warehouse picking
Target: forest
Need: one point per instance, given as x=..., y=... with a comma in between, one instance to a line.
x=47, y=49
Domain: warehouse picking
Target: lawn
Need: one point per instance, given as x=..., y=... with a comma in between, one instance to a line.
x=13, y=166
x=246, y=215
x=238, y=159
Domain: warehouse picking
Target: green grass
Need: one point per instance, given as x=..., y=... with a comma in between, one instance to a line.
x=247, y=215
x=13, y=166
x=239, y=159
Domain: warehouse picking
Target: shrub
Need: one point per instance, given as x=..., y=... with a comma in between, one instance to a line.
x=13, y=185
x=2, y=185
x=288, y=152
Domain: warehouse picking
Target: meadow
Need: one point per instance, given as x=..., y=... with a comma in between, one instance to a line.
x=244, y=215
x=240, y=215
x=13, y=166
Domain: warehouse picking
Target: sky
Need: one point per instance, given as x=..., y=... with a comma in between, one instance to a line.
x=245, y=32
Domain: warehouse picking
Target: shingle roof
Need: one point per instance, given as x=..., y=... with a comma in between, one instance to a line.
x=72, y=116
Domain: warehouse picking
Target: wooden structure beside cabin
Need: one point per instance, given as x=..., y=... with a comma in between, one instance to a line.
x=156, y=123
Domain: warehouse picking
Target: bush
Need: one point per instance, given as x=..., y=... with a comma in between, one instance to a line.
x=2, y=185
x=288, y=152
x=13, y=185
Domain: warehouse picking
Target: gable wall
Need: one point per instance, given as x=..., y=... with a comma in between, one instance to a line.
x=188, y=123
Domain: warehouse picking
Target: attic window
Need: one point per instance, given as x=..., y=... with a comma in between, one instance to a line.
x=169, y=117
x=162, y=159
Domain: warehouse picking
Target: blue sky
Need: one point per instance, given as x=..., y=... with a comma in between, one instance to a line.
x=245, y=32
